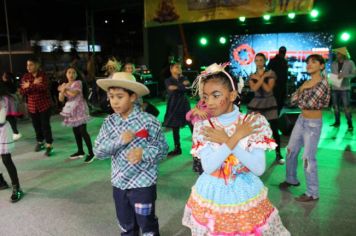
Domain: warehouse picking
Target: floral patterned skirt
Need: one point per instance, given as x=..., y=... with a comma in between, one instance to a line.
x=232, y=209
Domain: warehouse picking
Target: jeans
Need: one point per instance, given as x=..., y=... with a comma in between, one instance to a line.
x=342, y=95
x=135, y=210
x=306, y=133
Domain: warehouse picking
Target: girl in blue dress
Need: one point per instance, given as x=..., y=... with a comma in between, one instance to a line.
x=229, y=198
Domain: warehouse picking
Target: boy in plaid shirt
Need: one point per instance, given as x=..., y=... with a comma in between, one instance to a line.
x=135, y=142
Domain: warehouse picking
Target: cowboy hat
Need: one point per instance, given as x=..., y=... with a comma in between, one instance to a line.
x=342, y=51
x=124, y=80
x=112, y=62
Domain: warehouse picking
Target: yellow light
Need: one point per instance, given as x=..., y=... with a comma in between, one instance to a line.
x=188, y=61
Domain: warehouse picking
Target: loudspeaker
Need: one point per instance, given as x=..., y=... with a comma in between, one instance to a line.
x=287, y=121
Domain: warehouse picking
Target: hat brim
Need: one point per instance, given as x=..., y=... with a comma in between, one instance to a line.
x=138, y=88
x=344, y=52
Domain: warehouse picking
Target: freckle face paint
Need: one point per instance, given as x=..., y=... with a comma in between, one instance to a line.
x=222, y=103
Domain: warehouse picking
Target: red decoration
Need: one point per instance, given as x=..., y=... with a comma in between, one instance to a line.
x=143, y=133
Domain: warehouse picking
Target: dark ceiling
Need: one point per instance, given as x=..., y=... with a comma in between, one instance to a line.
x=67, y=18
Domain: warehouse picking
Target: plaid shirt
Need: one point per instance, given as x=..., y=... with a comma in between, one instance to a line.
x=314, y=98
x=38, y=98
x=108, y=144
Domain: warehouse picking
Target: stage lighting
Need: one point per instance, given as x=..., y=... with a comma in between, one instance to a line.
x=203, y=41
x=291, y=15
x=314, y=13
x=266, y=17
x=345, y=36
x=242, y=18
x=188, y=61
x=222, y=40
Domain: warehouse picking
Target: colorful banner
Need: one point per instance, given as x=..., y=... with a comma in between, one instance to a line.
x=164, y=12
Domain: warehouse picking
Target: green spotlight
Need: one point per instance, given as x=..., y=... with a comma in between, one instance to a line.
x=291, y=15
x=314, y=13
x=267, y=17
x=345, y=36
x=203, y=41
x=242, y=18
x=222, y=40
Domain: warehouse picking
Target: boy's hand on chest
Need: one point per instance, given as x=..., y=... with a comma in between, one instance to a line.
x=127, y=137
x=134, y=156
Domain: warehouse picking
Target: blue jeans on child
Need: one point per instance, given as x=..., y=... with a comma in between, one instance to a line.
x=135, y=210
x=306, y=132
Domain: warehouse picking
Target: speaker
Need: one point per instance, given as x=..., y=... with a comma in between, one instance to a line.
x=287, y=121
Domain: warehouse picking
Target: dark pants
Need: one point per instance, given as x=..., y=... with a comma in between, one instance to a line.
x=279, y=93
x=11, y=168
x=42, y=126
x=176, y=135
x=343, y=96
x=80, y=133
x=135, y=210
x=13, y=123
x=276, y=136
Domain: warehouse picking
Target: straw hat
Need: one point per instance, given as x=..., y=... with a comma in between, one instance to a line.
x=114, y=63
x=342, y=51
x=124, y=80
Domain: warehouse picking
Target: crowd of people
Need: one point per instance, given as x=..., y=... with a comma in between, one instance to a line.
x=228, y=147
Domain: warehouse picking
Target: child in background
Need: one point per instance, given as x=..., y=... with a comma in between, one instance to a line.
x=177, y=105
x=228, y=197
x=35, y=86
x=8, y=81
x=262, y=83
x=6, y=147
x=145, y=105
x=134, y=141
x=198, y=113
x=76, y=113
x=311, y=98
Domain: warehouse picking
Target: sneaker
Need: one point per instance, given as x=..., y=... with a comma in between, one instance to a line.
x=336, y=125
x=17, y=194
x=306, y=198
x=39, y=146
x=77, y=155
x=48, y=151
x=89, y=159
x=16, y=137
x=286, y=185
x=279, y=159
x=3, y=184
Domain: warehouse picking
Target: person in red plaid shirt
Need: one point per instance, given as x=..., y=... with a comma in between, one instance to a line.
x=34, y=85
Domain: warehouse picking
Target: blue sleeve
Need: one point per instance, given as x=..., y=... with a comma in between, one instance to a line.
x=157, y=147
x=107, y=143
x=212, y=159
x=255, y=160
